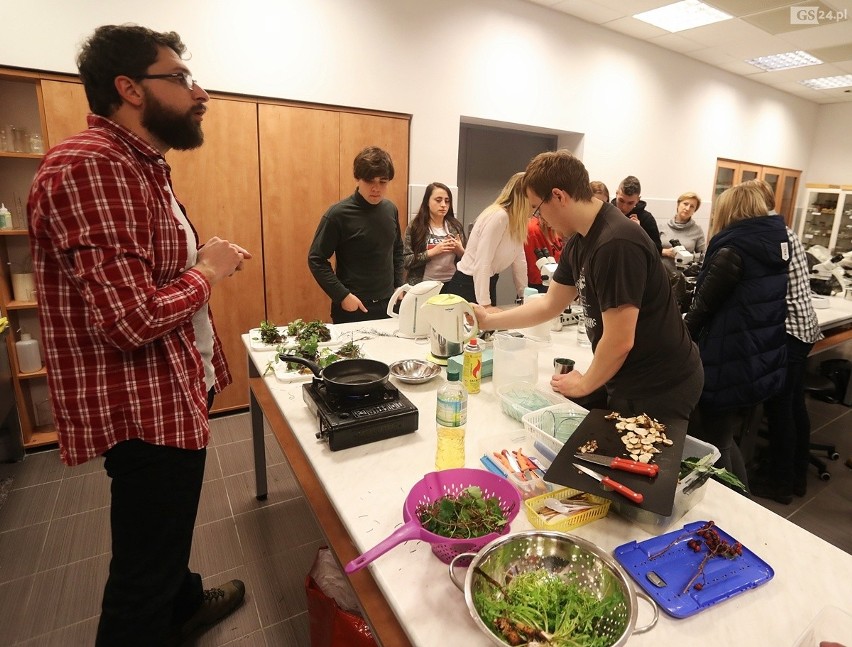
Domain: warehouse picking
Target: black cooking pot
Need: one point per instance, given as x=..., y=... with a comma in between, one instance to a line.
x=347, y=377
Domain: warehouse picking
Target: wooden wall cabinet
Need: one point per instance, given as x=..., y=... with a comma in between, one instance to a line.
x=299, y=187
x=266, y=173
x=784, y=182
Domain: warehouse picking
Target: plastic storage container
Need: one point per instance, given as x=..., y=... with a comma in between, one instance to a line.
x=686, y=497
x=831, y=624
x=529, y=486
x=515, y=359
x=520, y=398
x=541, y=424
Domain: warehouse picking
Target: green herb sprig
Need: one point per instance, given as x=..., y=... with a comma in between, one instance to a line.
x=722, y=475
x=555, y=610
x=269, y=333
x=464, y=516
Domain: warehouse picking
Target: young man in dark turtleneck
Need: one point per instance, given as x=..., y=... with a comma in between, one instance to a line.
x=362, y=232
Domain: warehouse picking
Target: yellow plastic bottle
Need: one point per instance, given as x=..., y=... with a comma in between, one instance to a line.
x=451, y=418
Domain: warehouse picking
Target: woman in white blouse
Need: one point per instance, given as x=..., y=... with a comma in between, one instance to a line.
x=496, y=242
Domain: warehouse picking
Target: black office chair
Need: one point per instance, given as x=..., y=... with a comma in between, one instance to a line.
x=823, y=388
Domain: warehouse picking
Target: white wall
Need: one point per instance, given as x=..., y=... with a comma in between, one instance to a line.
x=642, y=110
x=831, y=159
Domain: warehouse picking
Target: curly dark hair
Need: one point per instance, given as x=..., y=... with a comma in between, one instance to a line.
x=119, y=50
x=372, y=162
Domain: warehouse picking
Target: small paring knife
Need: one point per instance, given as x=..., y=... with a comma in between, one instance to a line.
x=623, y=464
x=623, y=490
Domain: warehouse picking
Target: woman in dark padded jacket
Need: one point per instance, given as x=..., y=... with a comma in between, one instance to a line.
x=737, y=319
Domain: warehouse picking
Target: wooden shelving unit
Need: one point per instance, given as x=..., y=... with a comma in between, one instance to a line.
x=22, y=106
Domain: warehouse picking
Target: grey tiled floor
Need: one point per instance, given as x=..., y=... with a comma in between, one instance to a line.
x=54, y=538
x=54, y=546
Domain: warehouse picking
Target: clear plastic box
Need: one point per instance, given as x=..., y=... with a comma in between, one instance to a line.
x=534, y=423
x=831, y=625
x=519, y=398
x=687, y=495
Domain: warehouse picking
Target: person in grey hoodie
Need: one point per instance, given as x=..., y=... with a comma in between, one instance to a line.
x=683, y=229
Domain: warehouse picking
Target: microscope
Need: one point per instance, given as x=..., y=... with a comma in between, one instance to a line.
x=547, y=265
x=682, y=257
x=828, y=272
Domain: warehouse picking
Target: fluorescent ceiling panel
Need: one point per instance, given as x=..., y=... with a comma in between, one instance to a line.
x=784, y=61
x=829, y=82
x=687, y=14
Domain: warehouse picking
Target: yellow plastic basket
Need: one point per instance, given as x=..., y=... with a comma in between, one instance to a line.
x=562, y=523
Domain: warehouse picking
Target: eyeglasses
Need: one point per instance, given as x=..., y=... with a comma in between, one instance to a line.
x=183, y=77
x=537, y=212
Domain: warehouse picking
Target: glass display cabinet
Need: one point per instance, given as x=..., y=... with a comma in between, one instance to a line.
x=826, y=218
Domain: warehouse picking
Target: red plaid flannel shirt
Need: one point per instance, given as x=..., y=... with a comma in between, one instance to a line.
x=115, y=304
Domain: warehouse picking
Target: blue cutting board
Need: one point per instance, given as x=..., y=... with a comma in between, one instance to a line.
x=723, y=578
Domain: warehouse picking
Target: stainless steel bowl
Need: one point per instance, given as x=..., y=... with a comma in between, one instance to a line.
x=414, y=371
x=562, y=554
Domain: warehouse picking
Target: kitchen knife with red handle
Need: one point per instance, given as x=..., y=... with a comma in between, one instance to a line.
x=623, y=464
x=623, y=490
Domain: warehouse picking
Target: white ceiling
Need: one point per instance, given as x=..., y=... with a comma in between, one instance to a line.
x=759, y=28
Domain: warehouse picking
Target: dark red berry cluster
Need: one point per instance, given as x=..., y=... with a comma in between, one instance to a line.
x=716, y=546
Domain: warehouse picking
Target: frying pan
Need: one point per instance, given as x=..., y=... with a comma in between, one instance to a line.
x=347, y=377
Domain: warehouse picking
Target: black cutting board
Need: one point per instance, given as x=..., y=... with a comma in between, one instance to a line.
x=659, y=492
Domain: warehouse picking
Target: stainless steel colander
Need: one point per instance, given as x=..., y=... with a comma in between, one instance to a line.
x=561, y=554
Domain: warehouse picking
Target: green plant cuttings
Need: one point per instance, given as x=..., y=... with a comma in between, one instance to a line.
x=720, y=474
x=462, y=516
x=308, y=336
x=547, y=609
x=270, y=334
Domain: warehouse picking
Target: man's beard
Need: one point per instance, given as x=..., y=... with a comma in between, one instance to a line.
x=175, y=130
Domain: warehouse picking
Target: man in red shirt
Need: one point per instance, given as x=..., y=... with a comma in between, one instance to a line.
x=132, y=356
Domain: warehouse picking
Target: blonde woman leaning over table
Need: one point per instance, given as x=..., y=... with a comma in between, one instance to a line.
x=434, y=240
x=496, y=242
x=683, y=229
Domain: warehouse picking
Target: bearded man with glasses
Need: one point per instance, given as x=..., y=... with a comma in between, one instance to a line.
x=132, y=355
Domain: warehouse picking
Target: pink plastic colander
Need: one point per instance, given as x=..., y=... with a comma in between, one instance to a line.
x=432, y=487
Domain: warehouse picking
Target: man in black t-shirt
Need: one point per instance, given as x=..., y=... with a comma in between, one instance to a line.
x=643, y=353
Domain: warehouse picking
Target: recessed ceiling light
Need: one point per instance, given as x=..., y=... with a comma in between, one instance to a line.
x=784, y=61
x=687, y=14
x=829, y=82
